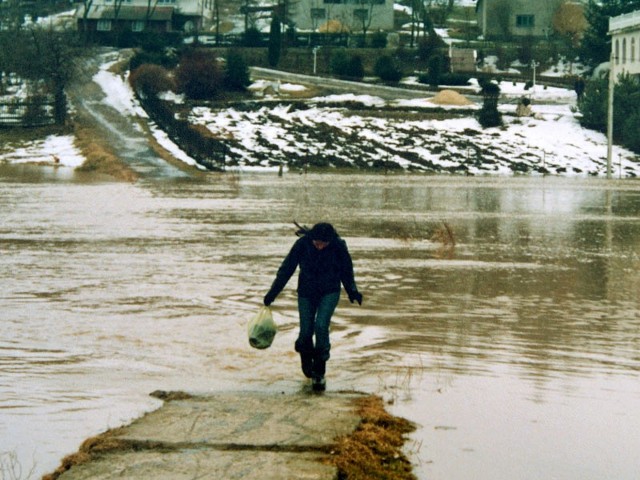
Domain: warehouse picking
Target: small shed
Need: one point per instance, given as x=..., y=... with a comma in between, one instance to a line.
x=463, y=59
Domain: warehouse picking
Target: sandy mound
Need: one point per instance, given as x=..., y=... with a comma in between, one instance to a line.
x=450, y=97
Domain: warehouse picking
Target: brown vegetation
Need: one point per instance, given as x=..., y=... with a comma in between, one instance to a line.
x=99, y=157
x=90, y=447
x=374, y=450
x=150, y=79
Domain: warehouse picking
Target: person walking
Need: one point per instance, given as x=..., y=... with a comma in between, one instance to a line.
x=325, y=264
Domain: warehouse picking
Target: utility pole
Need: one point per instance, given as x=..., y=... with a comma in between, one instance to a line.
x=315, y=58
x=610, y=114
x=484, y=19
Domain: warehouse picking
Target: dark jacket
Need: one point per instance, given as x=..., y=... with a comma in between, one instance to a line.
x=321, y=271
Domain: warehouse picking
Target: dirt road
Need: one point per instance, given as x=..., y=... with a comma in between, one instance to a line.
x=126, y=135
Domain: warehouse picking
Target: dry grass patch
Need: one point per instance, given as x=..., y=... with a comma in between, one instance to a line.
x=108, y=442
x=374, y=450
x=99, y=158
x=88, y=450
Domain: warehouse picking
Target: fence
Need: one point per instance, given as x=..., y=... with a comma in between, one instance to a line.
x=26, y=113
x=206, y=150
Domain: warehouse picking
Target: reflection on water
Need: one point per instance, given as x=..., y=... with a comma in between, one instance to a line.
x=516, y=350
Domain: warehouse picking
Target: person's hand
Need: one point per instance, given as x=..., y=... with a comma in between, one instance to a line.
x=268, y=299
x=355, y=297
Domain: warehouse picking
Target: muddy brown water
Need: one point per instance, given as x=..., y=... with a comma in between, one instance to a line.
x=516, y=350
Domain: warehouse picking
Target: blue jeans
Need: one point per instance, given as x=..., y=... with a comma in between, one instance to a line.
x=315, y=318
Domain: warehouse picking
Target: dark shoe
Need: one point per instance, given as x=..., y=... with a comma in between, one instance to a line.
x=319, y=384
x=307, y=365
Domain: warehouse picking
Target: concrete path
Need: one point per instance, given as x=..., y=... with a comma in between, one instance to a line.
x=229, y=436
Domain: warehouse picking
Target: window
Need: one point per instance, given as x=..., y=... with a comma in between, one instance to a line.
x=318, y=13
x=137, y=26
x=632, y=57
x=361, y=14
x=525, y=21
x=616, y=51
x=104, y=25
x=624, y=51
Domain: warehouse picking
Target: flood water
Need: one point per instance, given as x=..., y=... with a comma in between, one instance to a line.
x=516, y=351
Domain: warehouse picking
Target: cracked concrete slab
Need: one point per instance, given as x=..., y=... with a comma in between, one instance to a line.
x=249, y=419
x=205, y=464
x=241, y=435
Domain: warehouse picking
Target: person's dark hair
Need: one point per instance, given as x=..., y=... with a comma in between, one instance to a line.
x=323, y=232
x=320, y=231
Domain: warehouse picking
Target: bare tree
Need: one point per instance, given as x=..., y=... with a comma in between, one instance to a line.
x=46, y=57
x=503, y=17
x=86, y=8
x=363, y=17
x=151, y=8
x=117, y=6
x=569, y=22
x=248, y=9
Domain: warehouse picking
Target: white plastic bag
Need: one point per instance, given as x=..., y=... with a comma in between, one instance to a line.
x=262, y=329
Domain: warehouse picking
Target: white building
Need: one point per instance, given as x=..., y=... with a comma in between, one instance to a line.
x=625, y=43
x=343, y=15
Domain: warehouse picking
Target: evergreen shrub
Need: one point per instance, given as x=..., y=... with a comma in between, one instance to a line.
x=387, y=69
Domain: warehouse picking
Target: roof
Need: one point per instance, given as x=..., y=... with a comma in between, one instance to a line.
x=102, y=12
x=628, y=21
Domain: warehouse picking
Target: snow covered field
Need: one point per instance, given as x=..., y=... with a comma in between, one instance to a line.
x=408, y=135
x=365, y=131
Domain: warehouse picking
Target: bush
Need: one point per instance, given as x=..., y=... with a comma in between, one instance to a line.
x=429, y=46
x=387, y=69
x=275, y=42
x=237, y=73
x=252, y=38
x=434, y=70
x=154, y=57
x=198, y=75
x=339, y=62
x=630, y=130
x=489, y=116
x=379, y=40
x=593, y=105
x=355, y=69
x=457, y=79
x=451, y=79
x=345, y=65
x=525, y=51
x=626, y=109
x=149, y=80
x=152, y=42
